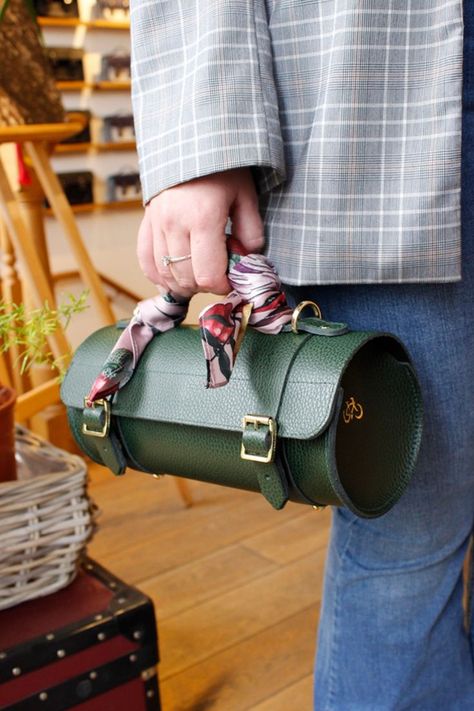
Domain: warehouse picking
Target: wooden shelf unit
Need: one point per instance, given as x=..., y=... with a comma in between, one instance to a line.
x=111, y=86
x=72, y=85
x=102, y=207
x=93, y=86
x=96, y=86
x=108, y=24
x=110, y=147
x=62, y=148
x=66, y=148
x=77, y=22
x=59, y=21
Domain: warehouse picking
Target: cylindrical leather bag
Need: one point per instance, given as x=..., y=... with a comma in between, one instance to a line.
x=321, y=416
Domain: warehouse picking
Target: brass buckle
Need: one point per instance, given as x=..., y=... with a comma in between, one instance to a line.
x=256, y=421
x=297, y=312
x=105, y=429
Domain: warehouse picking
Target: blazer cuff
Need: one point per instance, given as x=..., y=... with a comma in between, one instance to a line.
x=154, y=181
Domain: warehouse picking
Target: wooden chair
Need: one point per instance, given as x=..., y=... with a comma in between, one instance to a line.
x=36, y=142
x=19, y=241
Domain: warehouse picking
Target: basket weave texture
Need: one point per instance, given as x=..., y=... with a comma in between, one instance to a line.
x=45, y=523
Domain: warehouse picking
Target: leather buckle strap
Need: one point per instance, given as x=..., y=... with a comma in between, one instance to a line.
x=259, y=436
x=97, y=424
x=263, y=443
x=102, y=418
x=259, y=442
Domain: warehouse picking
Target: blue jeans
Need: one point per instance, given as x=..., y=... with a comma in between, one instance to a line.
x=392, y=633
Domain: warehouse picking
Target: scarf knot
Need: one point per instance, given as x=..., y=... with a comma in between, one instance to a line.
x=254, y=281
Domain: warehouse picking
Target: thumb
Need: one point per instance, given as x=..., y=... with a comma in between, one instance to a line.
x=247, y=224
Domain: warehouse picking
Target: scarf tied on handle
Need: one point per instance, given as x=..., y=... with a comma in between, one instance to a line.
x=254, y=281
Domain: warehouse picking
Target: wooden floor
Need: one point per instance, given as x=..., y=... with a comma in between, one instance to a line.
x=236, y=587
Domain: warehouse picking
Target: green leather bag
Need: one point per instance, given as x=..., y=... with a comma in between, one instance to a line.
x=321, y=416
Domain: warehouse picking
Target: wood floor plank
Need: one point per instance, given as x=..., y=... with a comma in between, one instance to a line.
x=141, y=493
x=297, y=696
x=236, y=587
x=164, y=487
x=245, y=674
x=190, y=585
x=224, y=620
x=182, y=538
x=144, y=508
x=294, y=538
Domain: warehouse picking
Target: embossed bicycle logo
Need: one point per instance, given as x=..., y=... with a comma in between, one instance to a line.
x=352, y=410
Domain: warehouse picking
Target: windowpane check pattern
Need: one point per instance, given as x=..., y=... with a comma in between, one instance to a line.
x=348, y=113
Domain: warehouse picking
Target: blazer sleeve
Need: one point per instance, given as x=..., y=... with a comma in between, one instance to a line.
x=203, y=92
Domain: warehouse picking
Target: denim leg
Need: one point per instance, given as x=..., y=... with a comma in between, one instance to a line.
x=391, y=635
x=391, y=632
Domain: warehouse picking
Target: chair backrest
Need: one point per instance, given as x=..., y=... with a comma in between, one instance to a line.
x=35, y=400
x=4, y=372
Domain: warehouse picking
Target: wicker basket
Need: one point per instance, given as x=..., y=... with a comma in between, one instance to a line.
x=46, y=520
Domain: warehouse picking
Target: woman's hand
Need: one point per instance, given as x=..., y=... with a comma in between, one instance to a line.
x=190, y=218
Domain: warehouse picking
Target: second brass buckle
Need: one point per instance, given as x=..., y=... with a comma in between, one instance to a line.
x=105, y=429
x=256, y=421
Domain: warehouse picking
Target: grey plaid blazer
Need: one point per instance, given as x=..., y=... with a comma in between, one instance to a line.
x=348, y=114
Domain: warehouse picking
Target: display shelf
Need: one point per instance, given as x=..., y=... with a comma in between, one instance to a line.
x=87, y=207
x=66, y=148
x=117, y=206
x=72, y=85
x=100, y=207
x=59, y=21
x=111, y=86
x=124, y=146
x=108, y=24
x=97, y=86
x=71, y=147
x=77, y=22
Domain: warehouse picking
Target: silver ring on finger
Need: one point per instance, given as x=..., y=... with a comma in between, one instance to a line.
x=166, y=260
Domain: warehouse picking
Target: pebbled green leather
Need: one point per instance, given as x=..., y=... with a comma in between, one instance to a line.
x=319, y=327
x=166, y=420
x=257, y=441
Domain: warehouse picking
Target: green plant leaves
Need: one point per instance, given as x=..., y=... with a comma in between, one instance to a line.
x=29, y=330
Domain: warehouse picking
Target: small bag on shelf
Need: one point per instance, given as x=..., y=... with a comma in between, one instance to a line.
x=57, y=8
x=66, y=63
x=123, y=186
x=115, y=67
x=118, y=128
x=111, y=9
x=78, y=186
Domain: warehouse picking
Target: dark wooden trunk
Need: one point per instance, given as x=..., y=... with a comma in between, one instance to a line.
x=91, y=646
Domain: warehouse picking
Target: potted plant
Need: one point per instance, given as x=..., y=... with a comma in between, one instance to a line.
x=28, y=330
x=7, y=434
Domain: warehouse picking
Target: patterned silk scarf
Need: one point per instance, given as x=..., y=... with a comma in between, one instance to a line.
x=254, y=282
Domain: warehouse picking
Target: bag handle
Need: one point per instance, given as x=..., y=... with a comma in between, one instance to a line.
x=222, y=324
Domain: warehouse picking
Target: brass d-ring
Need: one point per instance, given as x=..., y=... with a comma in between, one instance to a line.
x=296, y=313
